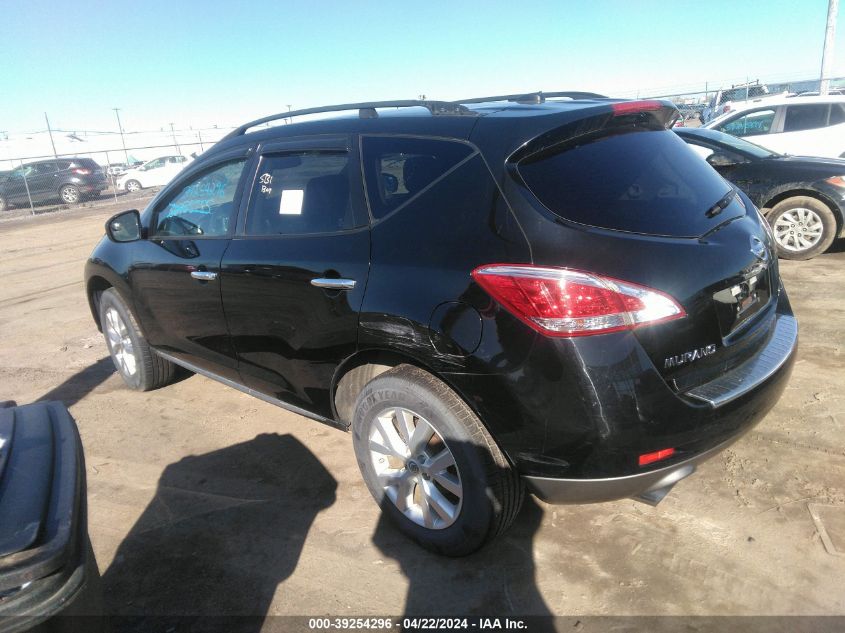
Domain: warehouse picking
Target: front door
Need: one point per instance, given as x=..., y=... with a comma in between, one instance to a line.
x=175, y=280
x=293, y=279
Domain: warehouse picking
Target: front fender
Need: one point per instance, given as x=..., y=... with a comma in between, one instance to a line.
x=107, y=267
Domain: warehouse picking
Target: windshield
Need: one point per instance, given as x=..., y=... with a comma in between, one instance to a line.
x=734, y=142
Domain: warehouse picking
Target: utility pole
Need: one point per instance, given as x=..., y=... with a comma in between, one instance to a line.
x=50, y=132
x=827, y=51
x=175, y=142
x=288, y=119
x=122, y=140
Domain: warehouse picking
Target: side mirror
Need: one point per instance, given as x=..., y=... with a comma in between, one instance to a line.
x=125, y=226
x=723, y=159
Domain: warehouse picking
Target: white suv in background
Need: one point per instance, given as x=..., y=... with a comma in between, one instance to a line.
x=153, y=173
x=804, y=126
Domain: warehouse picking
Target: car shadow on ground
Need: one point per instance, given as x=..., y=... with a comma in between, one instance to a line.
x=222, y=532
x=226, y=529
x=496, y=582
x=81, y=383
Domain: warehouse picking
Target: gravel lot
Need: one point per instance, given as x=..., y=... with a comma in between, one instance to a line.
x=204, y=500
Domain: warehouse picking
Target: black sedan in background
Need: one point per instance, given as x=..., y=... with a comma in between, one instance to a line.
x=803, y=198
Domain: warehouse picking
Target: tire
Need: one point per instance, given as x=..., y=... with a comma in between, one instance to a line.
x=804, y=227
x=70, y=194
x=139, y=366
x=132, y=186
x=460, y=469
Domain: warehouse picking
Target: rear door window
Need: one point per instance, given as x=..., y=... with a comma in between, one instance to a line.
x=46, y=168
x=757, y=122
x=300, y=193
x=645, y=181
x=398, y=168
x=807, y=116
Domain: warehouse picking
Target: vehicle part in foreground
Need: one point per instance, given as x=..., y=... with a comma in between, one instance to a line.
x=47, y=567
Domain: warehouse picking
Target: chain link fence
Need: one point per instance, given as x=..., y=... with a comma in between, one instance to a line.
x=702, y=105
x=41, y=184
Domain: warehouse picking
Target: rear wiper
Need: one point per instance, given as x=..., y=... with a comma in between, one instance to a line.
x=720, y=206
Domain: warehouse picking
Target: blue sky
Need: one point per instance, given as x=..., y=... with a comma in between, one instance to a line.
x=201, y=63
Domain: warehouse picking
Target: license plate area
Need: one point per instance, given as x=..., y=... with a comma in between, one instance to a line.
x=744, y=297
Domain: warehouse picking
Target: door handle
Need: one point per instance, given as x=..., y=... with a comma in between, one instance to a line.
x=204, y=275
x=333, y=284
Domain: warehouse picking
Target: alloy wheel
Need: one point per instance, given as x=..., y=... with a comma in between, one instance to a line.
x=798, y=229
x=70, y=195
x=132, y=186
x=415, y=468
x=120, y=343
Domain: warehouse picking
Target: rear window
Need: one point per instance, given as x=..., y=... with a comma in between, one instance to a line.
x=640, y=181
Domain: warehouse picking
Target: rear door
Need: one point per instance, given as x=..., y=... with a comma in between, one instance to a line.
x=294, y=277
x=175, y=279
x=807, y=130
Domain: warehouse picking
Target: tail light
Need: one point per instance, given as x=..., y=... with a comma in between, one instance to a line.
x=632, y=107
x=562, y=302
x=81, y=171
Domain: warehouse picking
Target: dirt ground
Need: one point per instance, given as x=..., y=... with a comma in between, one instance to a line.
x=205, y=500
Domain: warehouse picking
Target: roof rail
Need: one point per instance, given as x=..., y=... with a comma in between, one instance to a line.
x=534, y=97
x=367, y=110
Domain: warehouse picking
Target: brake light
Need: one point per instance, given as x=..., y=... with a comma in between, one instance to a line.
x=81, y=171
x=632, y=107
x=656, y=456
x=562, y=302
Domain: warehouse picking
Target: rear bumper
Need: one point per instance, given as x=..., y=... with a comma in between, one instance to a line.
x=769, y=369
x=649, y=487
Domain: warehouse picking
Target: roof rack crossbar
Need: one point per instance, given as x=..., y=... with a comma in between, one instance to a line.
x=367, y=109
x=534, y=97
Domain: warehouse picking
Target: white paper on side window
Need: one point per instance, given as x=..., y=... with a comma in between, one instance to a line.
x=290, y=202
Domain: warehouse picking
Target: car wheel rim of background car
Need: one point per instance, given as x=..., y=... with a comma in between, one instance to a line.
x=798, y=229
x=416, y=468
x=69, y=194
x=120, y=343
x=132, y=186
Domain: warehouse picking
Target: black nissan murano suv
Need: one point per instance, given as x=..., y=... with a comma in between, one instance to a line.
x=546, y=291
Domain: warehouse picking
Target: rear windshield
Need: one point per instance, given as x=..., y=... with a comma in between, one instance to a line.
x=639, y=181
